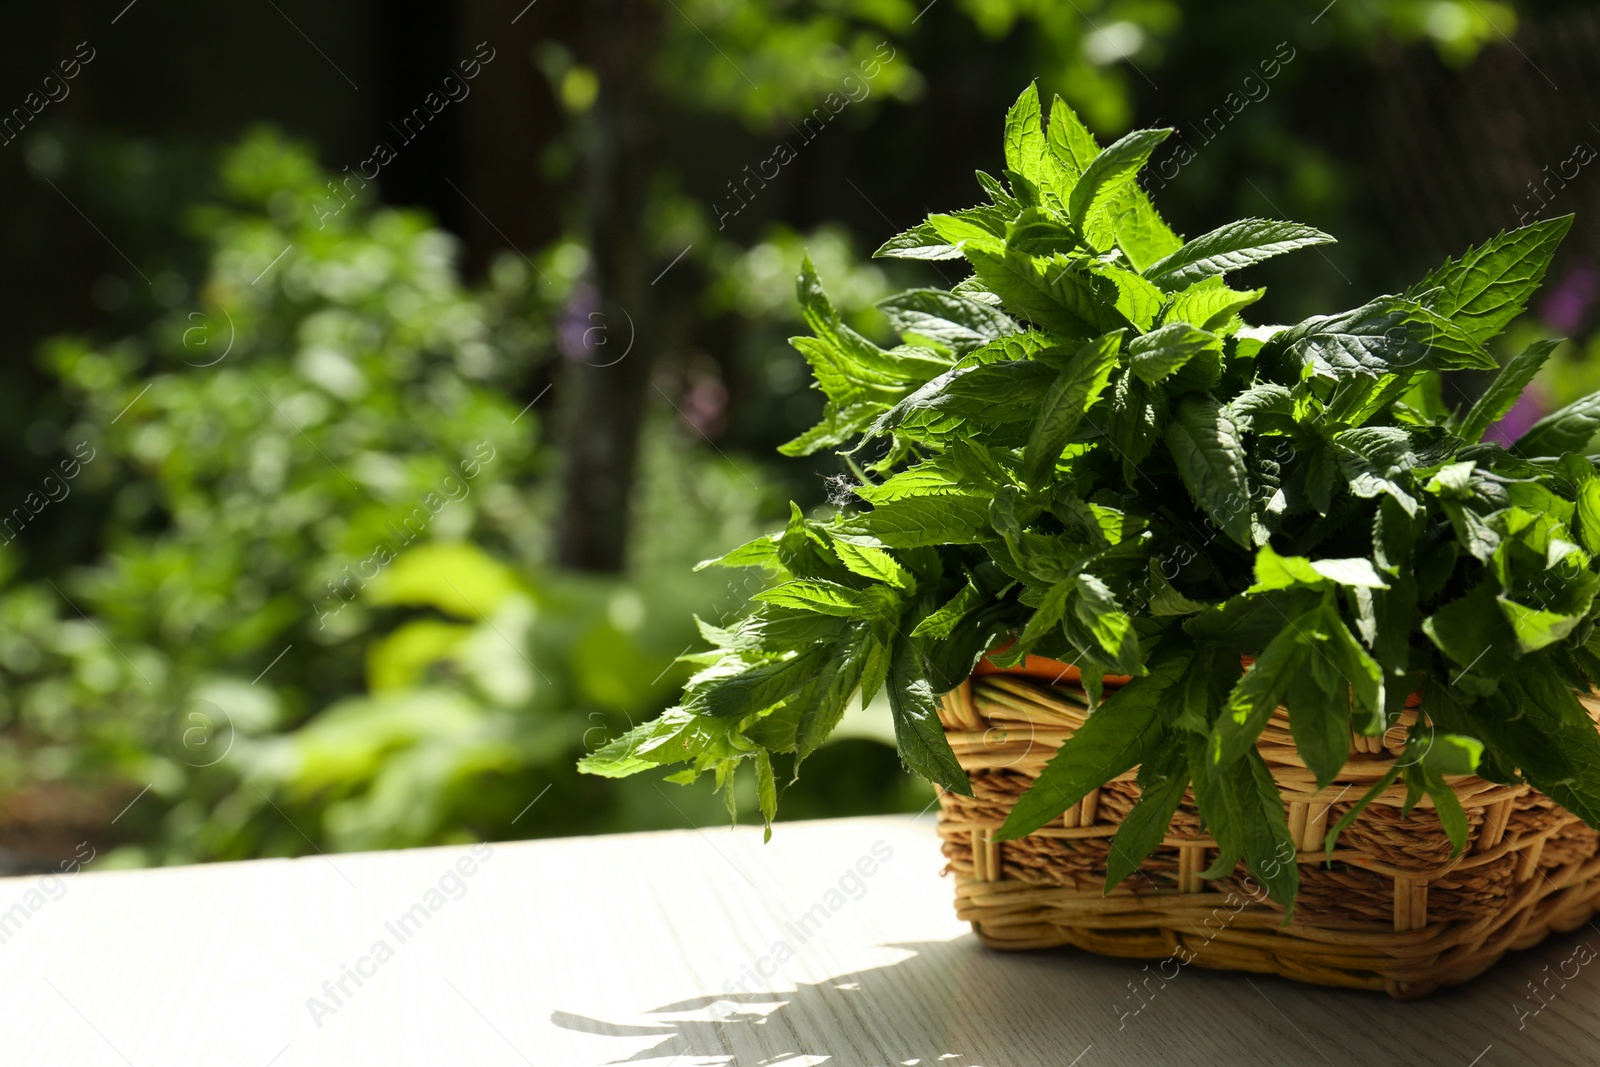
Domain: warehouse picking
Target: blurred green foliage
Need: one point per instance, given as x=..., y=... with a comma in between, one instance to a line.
x=770, y=61
x=323, y=588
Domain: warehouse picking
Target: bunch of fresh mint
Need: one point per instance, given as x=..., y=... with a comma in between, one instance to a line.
x=1081, y=451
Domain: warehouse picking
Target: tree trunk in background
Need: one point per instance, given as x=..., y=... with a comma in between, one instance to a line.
x=607, y=386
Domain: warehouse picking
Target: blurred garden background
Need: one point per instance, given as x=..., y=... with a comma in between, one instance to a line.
x=376, y=373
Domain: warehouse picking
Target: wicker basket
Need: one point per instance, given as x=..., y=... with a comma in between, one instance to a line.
x=1393, y=912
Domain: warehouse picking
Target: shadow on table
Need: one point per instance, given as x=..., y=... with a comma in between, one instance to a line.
x=873, y=1017
x=956, y=1004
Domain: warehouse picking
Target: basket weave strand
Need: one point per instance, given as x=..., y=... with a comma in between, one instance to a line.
x=1393, y=912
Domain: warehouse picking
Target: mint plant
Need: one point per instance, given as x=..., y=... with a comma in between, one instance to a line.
x=1082, y=451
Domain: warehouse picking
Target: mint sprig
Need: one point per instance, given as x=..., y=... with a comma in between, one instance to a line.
x=1082, y=449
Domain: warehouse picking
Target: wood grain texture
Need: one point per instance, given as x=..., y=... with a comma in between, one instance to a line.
x=632, y=948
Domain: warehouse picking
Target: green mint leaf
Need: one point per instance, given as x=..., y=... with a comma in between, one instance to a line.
x=942, y=622
x=917, y=731
x=822, y=597
x=1096, y=607
x=1123, y=732
x=1588, y=510
x=1487, y=288
x=1005, y=515
x=876, y=564
x=1258, y=694
x=762, y=552
x=1133, y=298
x=1134, y=423
x=1536, y=724
x=1040, y=233
x=1343, y=668
x=1129, y=220
x=1416, y=787
x=1454, y=480
x=957, y=473
x=968, y=234
x=802, y=550
x=1210, y=307
x=1332, y=837
x=1165, y=600
x=1158, y=354
x=1269, y=848
x=1447, y=805
x=1162, y=782
x=1141, y=233
x=1505, y=389
x=1066, y=403
x=1452, y=754
x=957, y=322
x=1320, y=723
x=1567, y=430
x=1446, y=335
x=1232, y=247
x=1221, y=812
x=1385, y=618
x=1047, y=616
x=1110, y=173
x=1470, y=629
x=1025, y=140
x=822, y=703
x=1056, y=294
x=824, y=321
x=1242, y=625
x=1285, y=572
x=949, y=661
x=728, y=692
x=837, y=427
x=859, y=379
x=669, y=739
x=1394, y=536
x=1026, y=193
x=875, y=662
x=1207, y=448
x=985, y=393
x=997, y=193
x=846, y=379
x=919, y=242
x=1371, y=340
x=1537, y=628
x=1070, y=142
x=766, y=792
x=918, y=521
x=1245, y=814
x=774, y=630
x=1267, y=402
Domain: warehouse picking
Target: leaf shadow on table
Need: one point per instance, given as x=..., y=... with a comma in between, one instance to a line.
x=873, y=1017
x=955, y=1004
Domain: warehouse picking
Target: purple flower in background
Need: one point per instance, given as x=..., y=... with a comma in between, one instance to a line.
x=575, y=335
x=705, y=406
x=1529, y=409
x=1563, y=311
x=1569, y=302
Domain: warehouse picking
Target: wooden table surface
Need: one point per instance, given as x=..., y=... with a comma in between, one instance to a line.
x=835, y=944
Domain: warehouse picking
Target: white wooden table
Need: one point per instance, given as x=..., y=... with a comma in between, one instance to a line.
x=834, y=944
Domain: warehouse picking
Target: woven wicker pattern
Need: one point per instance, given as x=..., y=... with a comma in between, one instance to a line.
x=1392, y=913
